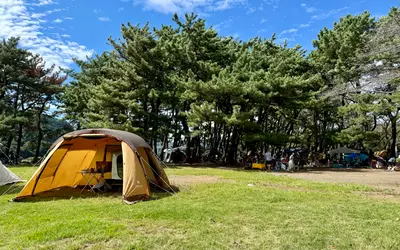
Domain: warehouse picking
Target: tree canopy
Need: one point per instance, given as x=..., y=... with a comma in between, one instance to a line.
x=184, y=84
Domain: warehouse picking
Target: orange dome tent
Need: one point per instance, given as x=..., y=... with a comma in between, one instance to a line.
x=111, y=154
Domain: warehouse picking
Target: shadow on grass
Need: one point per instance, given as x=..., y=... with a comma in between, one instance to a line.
x=22, y=166
x=13, y=188
x=67, y=193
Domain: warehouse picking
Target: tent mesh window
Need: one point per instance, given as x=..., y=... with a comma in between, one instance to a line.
x=120, y=166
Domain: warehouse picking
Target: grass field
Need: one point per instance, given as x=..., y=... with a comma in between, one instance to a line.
x=276, y=213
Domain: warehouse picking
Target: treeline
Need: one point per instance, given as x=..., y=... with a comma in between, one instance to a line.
x=186, y=85
x=27, y=90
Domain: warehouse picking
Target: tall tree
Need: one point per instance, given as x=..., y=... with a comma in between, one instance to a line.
x=335, y=57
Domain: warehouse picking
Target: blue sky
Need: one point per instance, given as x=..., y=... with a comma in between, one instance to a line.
x=62, y=29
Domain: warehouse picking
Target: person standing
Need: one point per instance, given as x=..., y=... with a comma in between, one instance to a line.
x=249, y=160
x=278, y=160
x=292, y=164
x=268, y=159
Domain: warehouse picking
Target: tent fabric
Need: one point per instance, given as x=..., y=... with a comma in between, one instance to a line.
x=78, y=152
x=6, y=176
x=343, y=150
x=134, y=141
x=353, y=156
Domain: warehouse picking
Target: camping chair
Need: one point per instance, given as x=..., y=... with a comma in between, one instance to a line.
x=103, y=167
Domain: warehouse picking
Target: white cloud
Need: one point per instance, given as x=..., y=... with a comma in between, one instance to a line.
x=262, y=31
x=18, y=20
x=224, y=24
x=121, y=9
x=44, y=2
x=263, y=20
x=68, y=18
x=97, y=11
x=38, y=15
x=282, y=40
x=224, y=4
x=53, y=11
x=308, y=9
x=58, y=20
x=180, y=6
x=304, y=25
x=274, y=3
x=289, y=31
x=104, y=19
x=250, y=10
x=66, y=36
x=325, y=15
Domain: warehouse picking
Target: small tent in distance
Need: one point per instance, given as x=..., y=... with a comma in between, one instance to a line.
x=86, y=157
x=6, y=176
x=344, y=150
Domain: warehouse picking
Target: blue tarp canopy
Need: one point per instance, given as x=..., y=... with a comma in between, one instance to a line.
x=353, y=157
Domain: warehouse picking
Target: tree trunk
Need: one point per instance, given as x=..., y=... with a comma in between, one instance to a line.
x=177, y=136
x=196, y=155
x=40, y=131
x=155, y=145
x=232, y=147
x=221, y=144
x=9, y=142
x=394, y=135
x=323, y=132
x=145, y=119
x=155, y=110
x=39, y=142
x=375, y=123
x=19, y=144
x=315, y=130
x=165, y=146
x=227, y=140
x=216, y=138
x=188, y=139
x=10, y=138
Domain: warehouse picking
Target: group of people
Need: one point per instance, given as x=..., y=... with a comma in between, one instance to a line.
x=274, y=160
x=294, y=159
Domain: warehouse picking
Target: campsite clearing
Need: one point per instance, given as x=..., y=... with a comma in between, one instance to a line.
x=276, y=212
x=378, y=178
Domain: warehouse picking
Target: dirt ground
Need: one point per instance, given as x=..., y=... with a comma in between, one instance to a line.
x=377, y=178
x=192, y=179
x=387, y=183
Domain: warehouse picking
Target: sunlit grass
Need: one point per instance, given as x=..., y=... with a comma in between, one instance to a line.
x=276, y=213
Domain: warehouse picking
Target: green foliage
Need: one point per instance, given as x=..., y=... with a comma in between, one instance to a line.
x=186, y=84
x=224, y=95
x=27, y=90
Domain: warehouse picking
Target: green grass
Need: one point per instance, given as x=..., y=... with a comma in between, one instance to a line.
x=276, y=213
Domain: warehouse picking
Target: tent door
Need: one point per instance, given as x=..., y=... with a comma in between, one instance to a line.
x=117, y=166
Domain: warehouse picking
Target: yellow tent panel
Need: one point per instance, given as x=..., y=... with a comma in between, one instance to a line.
x=98, y=153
